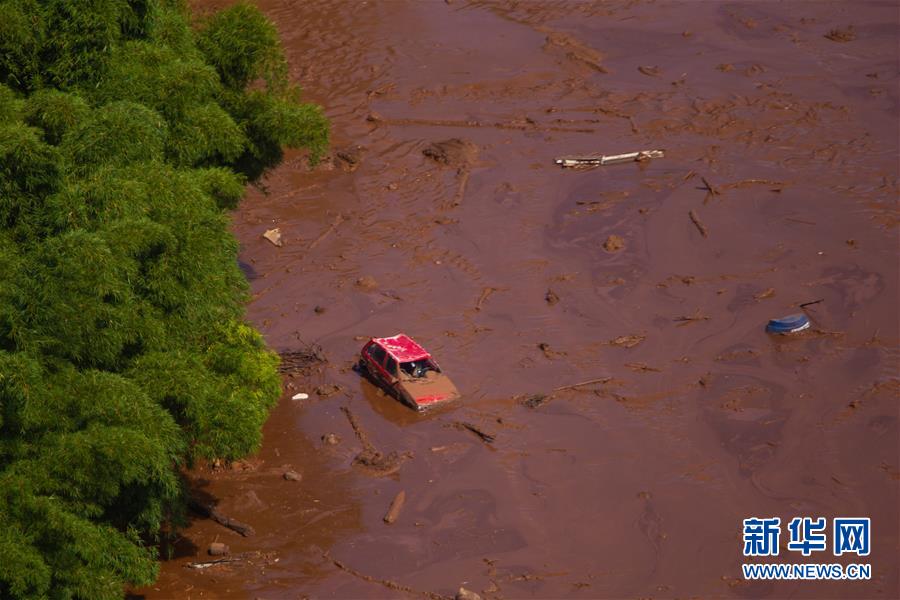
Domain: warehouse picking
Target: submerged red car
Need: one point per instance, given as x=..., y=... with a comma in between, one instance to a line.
x=405, y=369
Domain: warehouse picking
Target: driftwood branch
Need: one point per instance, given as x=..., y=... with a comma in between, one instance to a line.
x=396, y=506
x=391, y=585
x=699, y=224
x=210, y=511
x=583, y=383
x=337, y=221
x=487, y=438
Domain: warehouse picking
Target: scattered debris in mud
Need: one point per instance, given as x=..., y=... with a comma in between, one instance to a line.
x=331, y=439
x=328, y=389
x=688, y=319
x=274, y=236
x=695, y=219
x=396, y=506
x=217, y=549
x=573, y=386
x=711, y=190
x=842, y=35
x=650, y=71
x=614, y=243
x=378, y=464
x=348, y=159
x=487, y=438
x=464, y=594
x=575, y=51
x=549, y=352
x=535, y=400
x=209, y=510
x=454, y=152
x=596, y=160
x=459, y=154
x=788, y=324
x=551, y=297
x=765, y=294
x=334, y=225
x=391, y=585
x=627, y=341
x=485, y=294
x=370, y=458
x=367, y=283
x=302, y=361
x=292, y=476
x=641, y=368
x=253, y=558
x=811, y=302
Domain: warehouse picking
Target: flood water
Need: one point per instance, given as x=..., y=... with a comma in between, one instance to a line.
x=636, y=485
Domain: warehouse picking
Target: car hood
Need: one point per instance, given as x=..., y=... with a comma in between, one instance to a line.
x=430, y=390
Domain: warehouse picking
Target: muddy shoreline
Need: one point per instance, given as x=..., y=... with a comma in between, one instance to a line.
x=778, y=188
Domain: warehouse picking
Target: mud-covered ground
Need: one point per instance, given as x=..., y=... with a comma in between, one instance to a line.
x=779, y=186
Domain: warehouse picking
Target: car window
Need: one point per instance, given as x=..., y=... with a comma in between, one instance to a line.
x=391, y=366
x=377, y=353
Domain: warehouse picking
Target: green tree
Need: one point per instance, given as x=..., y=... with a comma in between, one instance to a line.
x=125, y=135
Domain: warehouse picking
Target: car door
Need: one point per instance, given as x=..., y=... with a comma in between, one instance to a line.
x=391, y=371
x=375, y=356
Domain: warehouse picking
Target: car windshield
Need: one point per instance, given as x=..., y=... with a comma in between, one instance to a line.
x=418, y=368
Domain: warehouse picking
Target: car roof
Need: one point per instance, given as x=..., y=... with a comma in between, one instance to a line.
x=402, y=347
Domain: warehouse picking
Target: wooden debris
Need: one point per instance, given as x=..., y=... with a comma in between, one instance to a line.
x=535, y=400
x=391, y=585
x=696, y=221
x=485, y=294
x=596, y=160
x=357, y=428
x=212, y=563
x=487, y=438
x=583, y=383
x=328, y=389
x=337, y=221
x=549, y=353
x=614, y=243
x=641, y=368
x=710, y=190
x=763, y=295
x=745, y=182
x=697, y=316
x=627, y=341
x=462, y=176
x=841, y=35
x=811, y=303
x=395, y=508
x=370, y=458
x=210, y=511
x=217, y=549
x=293, y=361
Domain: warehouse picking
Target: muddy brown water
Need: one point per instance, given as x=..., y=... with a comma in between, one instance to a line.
x=631, y=488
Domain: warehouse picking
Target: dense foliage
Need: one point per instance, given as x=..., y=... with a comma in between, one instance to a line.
x=126, y=132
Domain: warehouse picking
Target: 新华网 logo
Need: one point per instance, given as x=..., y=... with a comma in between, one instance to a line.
x=807, y=536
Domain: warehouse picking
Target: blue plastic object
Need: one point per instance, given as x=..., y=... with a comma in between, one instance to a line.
x=788, y=324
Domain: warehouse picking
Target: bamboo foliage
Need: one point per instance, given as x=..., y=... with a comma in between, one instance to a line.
x=125, y=135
